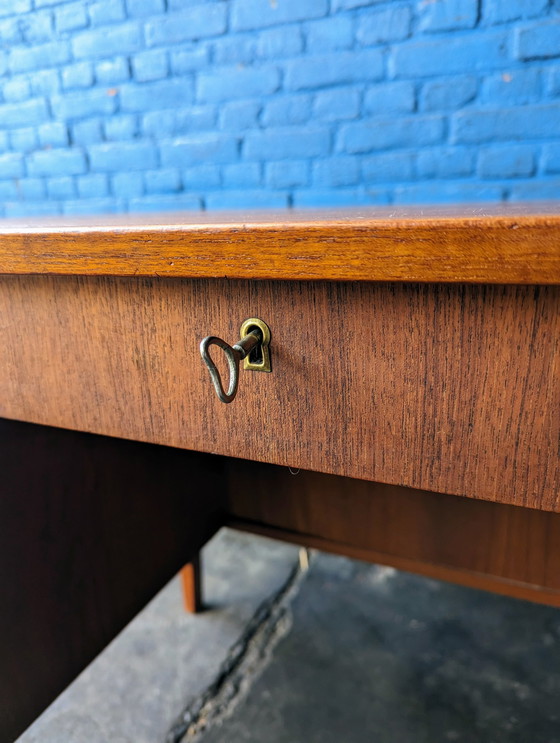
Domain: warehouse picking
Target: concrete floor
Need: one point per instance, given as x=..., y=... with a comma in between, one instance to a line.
x=343, y=652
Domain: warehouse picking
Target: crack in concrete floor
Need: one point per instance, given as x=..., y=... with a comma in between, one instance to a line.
x=244, y=662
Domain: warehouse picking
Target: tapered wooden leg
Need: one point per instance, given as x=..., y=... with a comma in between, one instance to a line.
x=191, y=577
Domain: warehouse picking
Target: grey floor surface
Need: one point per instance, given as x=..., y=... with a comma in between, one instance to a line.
x=343, y=652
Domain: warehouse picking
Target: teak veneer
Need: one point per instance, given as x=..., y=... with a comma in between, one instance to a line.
x=511, y=244
x=415, y=382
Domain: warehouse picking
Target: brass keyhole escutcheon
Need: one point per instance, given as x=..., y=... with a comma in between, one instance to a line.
x=258, y=359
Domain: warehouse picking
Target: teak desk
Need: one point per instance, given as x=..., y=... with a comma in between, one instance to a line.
x=415, y=385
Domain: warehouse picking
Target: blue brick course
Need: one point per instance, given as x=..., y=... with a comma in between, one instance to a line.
x=116, y=105
x=448, y=15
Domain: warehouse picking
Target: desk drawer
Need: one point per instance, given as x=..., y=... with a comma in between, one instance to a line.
x=450, y=388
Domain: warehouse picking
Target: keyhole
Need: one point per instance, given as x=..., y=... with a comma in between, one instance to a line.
x=256, y=354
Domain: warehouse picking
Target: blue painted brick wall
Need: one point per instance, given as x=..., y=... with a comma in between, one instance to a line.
x=117, y=105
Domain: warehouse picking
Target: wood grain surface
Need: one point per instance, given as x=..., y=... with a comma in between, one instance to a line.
x=505, y=549
x=90, y=529
x=449, y=388
x=506, y=244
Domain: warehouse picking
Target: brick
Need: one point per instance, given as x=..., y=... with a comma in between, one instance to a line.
x=148, y=66
x=31, y=208
x=379, y=27
x=445, y=162
x=512, y=88
x=337, y=104
x=92, y=185
x=162, y=181
x=47, y=3
x=285, y=110
x=159, y=123
x=539, y=42
x=379, y=134
x=184, y=61
x=52, y=54
x=233, y=50
x=161, y=94
x=178, y=121
x=36, y=28
x=112, y=71
x=241, y=175
x=480, y=51
x=91, y=206
x=86, y=132
x=185, y=151
x=388, y=166
x=16, y=89
x=106, y=11
x=11, y=7
x=44, y=82
x=551, y=158
x=334, y=69
x=280, y=144
x=503, y=11
x=56, y=161
x=227, y=84
x=239, y=115
x=202, y=176
x=8, y=190
x=288, y=174
x=138, y=8
x=122, y=127
x=168, y=202
x=553, y=81
x=31, y=189
x=195, y=118
x=512, y=161
x=78, y=75
x=352, y=4
x=83, y=104
x=11, y=165
x=124, y=38
x=389, y=97
x=447, y=192
x=246, y=199
x=329, y=34
x=70, y=17
x=340, y=197
x=335, y=171
x=127, y=185
x=283, y=41
x=53, y=134
x=448, y=93
x=125, y=156
x=247, y=15
x=448, y=15
x=196, y=22
x=10, y=32
x=23, y=140
x=541, y=190
x=484, y=125
x=61, y=187
x=28, y=113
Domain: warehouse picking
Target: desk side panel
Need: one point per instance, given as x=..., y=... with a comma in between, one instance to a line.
x=90, y=529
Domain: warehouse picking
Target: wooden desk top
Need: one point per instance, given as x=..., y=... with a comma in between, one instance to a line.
x=495, y=244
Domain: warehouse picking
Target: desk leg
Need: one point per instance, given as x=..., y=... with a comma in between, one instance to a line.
x=191, y=578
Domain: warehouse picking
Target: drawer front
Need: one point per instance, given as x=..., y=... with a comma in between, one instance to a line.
x=451, y=388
